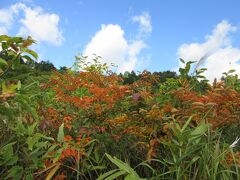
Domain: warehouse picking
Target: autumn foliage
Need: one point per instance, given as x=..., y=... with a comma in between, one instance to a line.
x=63, y=127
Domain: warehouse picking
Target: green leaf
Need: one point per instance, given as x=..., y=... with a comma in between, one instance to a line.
x=182, y=60
x=4, y=45
x=123, y=166
x=187, y=68
x=16, y=39
x=15, y=172
x=115, y=175
x=186, y=124
x=201, y=77
x=7, y=155
x=200, y=130
x=4, y=38
x=231, y=71
x=27, y=58
x=19, y=85
x=16, y=62
x=52, y=172
x=31, y=141
x=3, y=63
x=50, y=149
x=132, y=177
x=25, y=102
x=31, y=52
x=29, y=177
x=8, y=89
x=60, y=136
x=31, y=129
x=103, y=176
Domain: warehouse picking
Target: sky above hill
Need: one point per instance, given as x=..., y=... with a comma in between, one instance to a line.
x=133, y=34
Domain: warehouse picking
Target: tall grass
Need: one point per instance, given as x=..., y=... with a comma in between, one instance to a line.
x=192, y=153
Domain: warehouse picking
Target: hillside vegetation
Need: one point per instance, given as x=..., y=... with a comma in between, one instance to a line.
x=87, y=122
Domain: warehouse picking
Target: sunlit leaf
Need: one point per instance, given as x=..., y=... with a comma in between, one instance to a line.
x=60, y=136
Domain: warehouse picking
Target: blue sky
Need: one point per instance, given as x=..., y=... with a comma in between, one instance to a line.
x=135, y=34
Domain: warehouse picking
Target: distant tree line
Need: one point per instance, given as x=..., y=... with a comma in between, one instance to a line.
x=131, y=77
x=45, y=67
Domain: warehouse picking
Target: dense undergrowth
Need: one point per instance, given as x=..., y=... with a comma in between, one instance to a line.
x=87, y=122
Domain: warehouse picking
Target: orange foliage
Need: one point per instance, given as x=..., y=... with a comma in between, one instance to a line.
x=97, y=97
x=233, y=159
x=75, y=147
x=219, y=106
x=88, y=91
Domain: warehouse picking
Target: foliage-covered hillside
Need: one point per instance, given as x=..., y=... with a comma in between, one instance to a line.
x=87, y=122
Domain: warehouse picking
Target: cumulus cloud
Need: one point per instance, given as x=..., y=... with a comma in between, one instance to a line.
x=132, y=59
x=110, y=43
x=7, y=17
x=144, y=21
x=217, y=50
x=41, y=25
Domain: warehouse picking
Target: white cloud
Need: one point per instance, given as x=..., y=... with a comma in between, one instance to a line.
x=132, y=59
x=144, y=21
x=6, y=17
x=41, y=25
x=109, y=42
x=217, y=51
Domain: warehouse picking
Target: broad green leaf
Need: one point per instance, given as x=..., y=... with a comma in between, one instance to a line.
x=200, y=130
x=31, y=52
